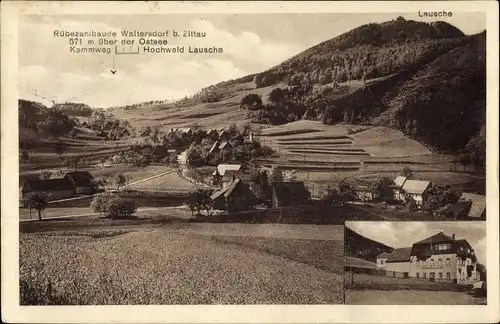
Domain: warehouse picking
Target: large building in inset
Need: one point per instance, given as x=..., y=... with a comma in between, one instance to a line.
x=438, y=258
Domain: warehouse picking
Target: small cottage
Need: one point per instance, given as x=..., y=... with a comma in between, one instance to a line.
x=290, y=194
x=234, y=198
x=53, y=188
x=417, y=189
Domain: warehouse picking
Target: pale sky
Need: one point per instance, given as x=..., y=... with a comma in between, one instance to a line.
x=252, y=43
x=404, y=234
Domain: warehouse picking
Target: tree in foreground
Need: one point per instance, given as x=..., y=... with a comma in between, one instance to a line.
x=38, y=202
x=200, y=200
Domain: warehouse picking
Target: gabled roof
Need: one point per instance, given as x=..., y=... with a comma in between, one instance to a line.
x=229, y=174
x=436, y=238
x=399, y=255
x=354, y=262
x=224, y=144
x=383, y=255
x=231, y=187
x=478, y=206
x=80, y=178
x=399, y=181
x=291, y=191
x=47, y=185
x=214, y=147
x=217, y=194
x=416, y=187
x=222, y=168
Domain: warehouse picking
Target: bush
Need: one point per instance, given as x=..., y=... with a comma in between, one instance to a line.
x=113, y=206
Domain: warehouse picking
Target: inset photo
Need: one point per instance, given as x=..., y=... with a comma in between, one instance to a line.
x=415, y=263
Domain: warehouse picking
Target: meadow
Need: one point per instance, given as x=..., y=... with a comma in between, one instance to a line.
x=177, y=265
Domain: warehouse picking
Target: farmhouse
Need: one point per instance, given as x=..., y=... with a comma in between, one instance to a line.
x=438, y=258
x=398, y=188
x=417, y=189
x=477, y=205
x=193, y=157
x=290, y=194
x=81, y=181
x=234, y=198
x=52, y=188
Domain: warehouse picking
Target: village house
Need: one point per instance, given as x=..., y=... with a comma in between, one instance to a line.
x=396, y=263
x=417, y=189
x=477, y=203
x=53, y=189
x=290, y=194
x=438, y=258
x=220, y=149
x=193, y=157
x=223, y=168
x=213, y=134
x=235, y=197
x=398, y=188
x=81, y=181
x=223, y=135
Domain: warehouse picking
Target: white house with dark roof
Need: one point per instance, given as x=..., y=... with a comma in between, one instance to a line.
x=439, y=257
x=222, y=168
x=417, y=189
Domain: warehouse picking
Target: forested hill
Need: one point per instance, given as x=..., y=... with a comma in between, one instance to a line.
x=426, y=79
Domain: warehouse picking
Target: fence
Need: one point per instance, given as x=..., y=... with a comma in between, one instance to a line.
x=378, y=280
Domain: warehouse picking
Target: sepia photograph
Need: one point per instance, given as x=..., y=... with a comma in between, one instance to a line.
x=221, y=156
x=417, y=263
x=139, y=144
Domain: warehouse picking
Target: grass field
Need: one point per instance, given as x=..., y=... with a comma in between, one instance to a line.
x=408, y=297
x=174, y=265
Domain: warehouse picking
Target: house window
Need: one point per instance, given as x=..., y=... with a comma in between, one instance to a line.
x=440, y=263
x=448, y=261
x=418, y=264
x=432, y=263
x=424, y=275
x=418, y=275
x=432, y=275
x=448, y=275
x=440, y=275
